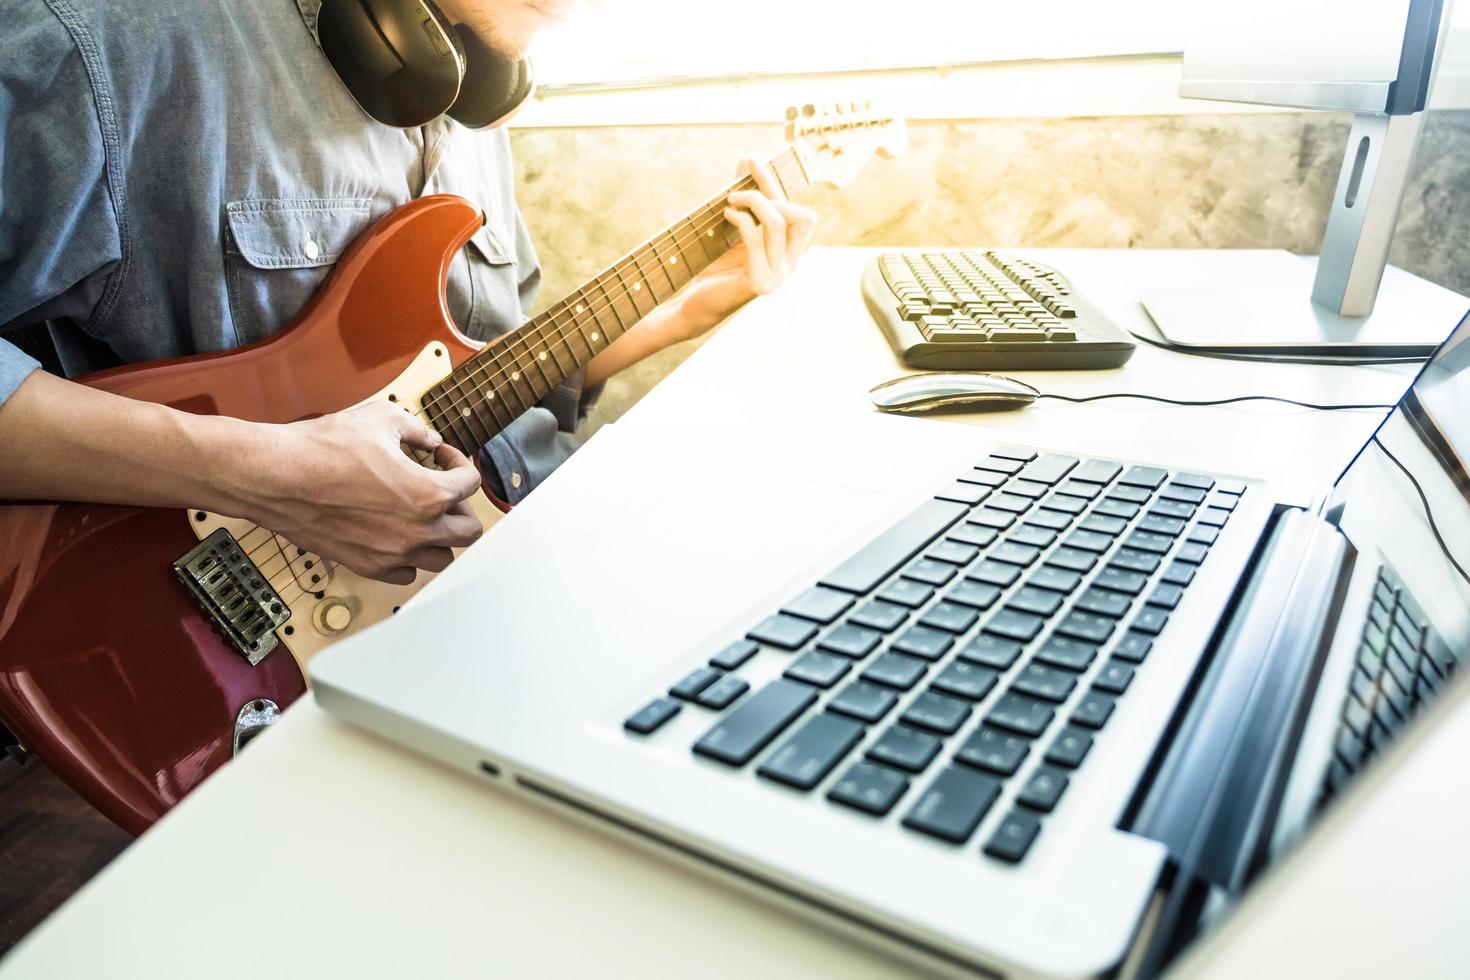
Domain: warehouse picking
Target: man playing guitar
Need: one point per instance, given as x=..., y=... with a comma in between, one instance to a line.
x=179, y=176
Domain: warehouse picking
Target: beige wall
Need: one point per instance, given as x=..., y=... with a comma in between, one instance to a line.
x=1227, y=181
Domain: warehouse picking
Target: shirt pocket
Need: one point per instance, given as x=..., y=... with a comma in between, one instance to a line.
x=493, y=300
x=278, y=252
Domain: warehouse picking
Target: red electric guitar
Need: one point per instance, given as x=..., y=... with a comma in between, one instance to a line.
x=140, y=648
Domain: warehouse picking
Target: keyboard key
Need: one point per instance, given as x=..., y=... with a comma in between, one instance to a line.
x=980, y=595
x=819, y=605
x=693, y=682
x=1008, y=502
x=1133, y=560
x=878, y=559
x=1043, y=789
x=1054, y=520
x=1094, y=710
x=921, y=641
x=993, y=749
x=864, y=701
x=937, y=713
x=1055, y=579
x=1166, y=595
x=1104, y=602
x=1129, y=494
x=994, y=573
x=1049, y=468
x=1000, y=464
x=1150, y=620
x=1014, y=625
x=1232, y=487
x=991, y=651
x=1201, y=534
x=1188, y=495
x=1148, y=541
x=786, y=632
x=1159, y=524
x=1224, y=502
x=722, y=693
x=872, y=789
x=1173, y=508
x=950, y=617
x=1014, y=552
x=994, y=519
x=930, y=572
x=738, y=736
x=1134, y=647
x=851, y=641
x=1121, y=580
x=1072, y=559
x=1197, y=480
x=963, y=493
x=1028, y=488
x=878, y=615
x=1047, y=683
x=1115, y=677
x=734, y=655
x=1144, y=476
x=1062, y=651
x=1040, y=602
x=1121, y=509
x=1214, y=516
x=1097, y=471
x=1064, y=503
x=1033, y=536
x=1089, y=541
x=1103, y=524
x=1019, y=713
x=1086, y=626
x=1178, y=573
x=973, y=534
x=812, y=751
x=984, y=478
x=905, y=748
x=966, y=680
x=651, y=716
x=1012, y=839
x=1070, y=747
x=1076, y=488
x=821, y=669
x=906, y=592
x=1019, y=453
x=896, y=670
x=952, y=806
x=953, y=552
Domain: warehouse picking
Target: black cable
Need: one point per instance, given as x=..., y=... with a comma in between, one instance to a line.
x=1216, y=401
x=1346, y=360
x=1424, y=502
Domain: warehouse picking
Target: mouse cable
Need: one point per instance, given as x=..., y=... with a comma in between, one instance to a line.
x=1342, y=361
x=1424, y=502
x=1215, y=401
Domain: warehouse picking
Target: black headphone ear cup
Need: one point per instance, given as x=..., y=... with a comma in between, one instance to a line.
x=400, y=59
x=494, y=85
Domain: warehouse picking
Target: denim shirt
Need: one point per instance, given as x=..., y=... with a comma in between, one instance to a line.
x=178, y=176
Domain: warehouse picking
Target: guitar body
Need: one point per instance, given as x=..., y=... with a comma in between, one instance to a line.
x=110, y=670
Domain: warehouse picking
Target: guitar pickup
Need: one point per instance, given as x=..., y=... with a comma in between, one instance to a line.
x=244, y=607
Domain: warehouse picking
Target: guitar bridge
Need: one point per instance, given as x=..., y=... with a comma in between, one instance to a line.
x=234, y=594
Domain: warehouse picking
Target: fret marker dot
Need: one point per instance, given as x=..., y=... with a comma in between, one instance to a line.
x=515, y=375
x=580, y=307
x=673, y=261
x=489, y=396
x=637, y=286
x=541, y=356
x=465, y=411
x=710, y=233
x=595, y=336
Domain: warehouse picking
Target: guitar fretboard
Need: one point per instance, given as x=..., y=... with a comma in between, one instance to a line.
x=514, y=372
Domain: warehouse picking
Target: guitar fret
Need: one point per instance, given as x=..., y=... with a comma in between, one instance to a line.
x=632, y=292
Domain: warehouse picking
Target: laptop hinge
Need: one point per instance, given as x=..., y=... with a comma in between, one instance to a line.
x=1214, y=800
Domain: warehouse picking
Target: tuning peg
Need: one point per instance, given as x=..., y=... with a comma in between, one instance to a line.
x=790, y=113
x=808, y=110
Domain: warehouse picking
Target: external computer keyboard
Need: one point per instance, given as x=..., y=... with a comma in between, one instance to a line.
x=974, y=310
x=959, y=666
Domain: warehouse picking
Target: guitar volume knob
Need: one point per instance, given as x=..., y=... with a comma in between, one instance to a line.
x=332, y=616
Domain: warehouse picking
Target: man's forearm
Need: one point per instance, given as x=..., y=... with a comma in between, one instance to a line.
x=663, y=327
x=64, y=441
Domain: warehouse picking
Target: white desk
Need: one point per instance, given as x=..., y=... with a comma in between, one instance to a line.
x=325, y=851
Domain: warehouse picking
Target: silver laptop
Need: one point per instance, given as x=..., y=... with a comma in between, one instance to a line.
x=1046, y=723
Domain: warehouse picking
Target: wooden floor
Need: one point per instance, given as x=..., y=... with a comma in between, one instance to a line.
x=51, y=843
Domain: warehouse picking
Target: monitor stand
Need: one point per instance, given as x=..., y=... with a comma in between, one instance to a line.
x=1347, y=304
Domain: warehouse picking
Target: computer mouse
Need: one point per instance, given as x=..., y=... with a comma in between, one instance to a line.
x=934, y=390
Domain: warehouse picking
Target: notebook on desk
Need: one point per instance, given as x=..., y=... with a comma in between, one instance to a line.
x=987, y=737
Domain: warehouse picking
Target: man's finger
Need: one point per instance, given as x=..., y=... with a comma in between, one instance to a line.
x=801, y=224
x=430, y=559
x=758, y=267
x=397, y=576
x=457, y=475
x=412, y=430
x=768, y=184
x=455, y=530
x=773, y=225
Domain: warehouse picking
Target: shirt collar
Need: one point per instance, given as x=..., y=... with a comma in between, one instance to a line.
x=310, y=11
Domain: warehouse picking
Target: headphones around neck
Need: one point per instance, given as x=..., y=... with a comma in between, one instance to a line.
x=405, y=64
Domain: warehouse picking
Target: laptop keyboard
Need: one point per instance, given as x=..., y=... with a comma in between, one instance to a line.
x=974, y=650
x=1402, y=663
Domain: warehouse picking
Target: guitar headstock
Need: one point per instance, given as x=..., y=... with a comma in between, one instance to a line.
x=835, y=141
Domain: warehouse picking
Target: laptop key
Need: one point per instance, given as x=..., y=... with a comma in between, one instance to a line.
x=786, y=632
x=1041, y=602
x=1014, y=552
x=937, y=713
x=1065, y=503
x=995, y=750
x=1094, y=710
x=1089, y=541
x=950, y=617
x=1070, y=747
x=1202, y=534
x=1014, y=625
x=1150, y=620
x=989, y=517
x=1178, y=573
x=1115, y=677
x=1077, y=488
x=1043, y=789
x=994, y=573
x=1049, y=468
x=1072, y=559
x=1112, y=507
x=1063, y=651
x=1197, y=480
x=972, y=534
x=1151, y=477
x=980, y=595
x=1086, y=626
x=883, y=555
x=1032, y=535
x=734, y=655
x=821, y=669
x=722, y=693
x=905, y=748
x=1104, y=602
x=1054, y=520
x=1166, y=595
x=1133, y=560
x=1134, y=647
x=1173, y=508
x=1013, y=838
x=929, y=571
x=693, y=682
x=895, y=670
x=984, y=478
x=991, y=651
x=651, y=717
x=819, y=605
x=864, y=701
x=879, y=615
x=851, y=641
x=1097, y=471
x=812, y=751
x=961, y=492
x=1190, y=495
x=921, y=641
x=1001, y=464
x=738, y=736
x=1160, y=524
x=1149, y=541
x=1018, y=713
x=1103, y=524
x=906, y=592
x=1047, y=683
x=952, y=806
x=1056, y=579
x=870, y=788
x=966, y=680
x=1130, y=494
x=954, y=552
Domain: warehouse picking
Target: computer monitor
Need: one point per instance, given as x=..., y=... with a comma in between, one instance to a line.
x=1376, y=59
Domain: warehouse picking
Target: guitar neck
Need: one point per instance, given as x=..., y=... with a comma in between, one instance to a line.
x=514, y=372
